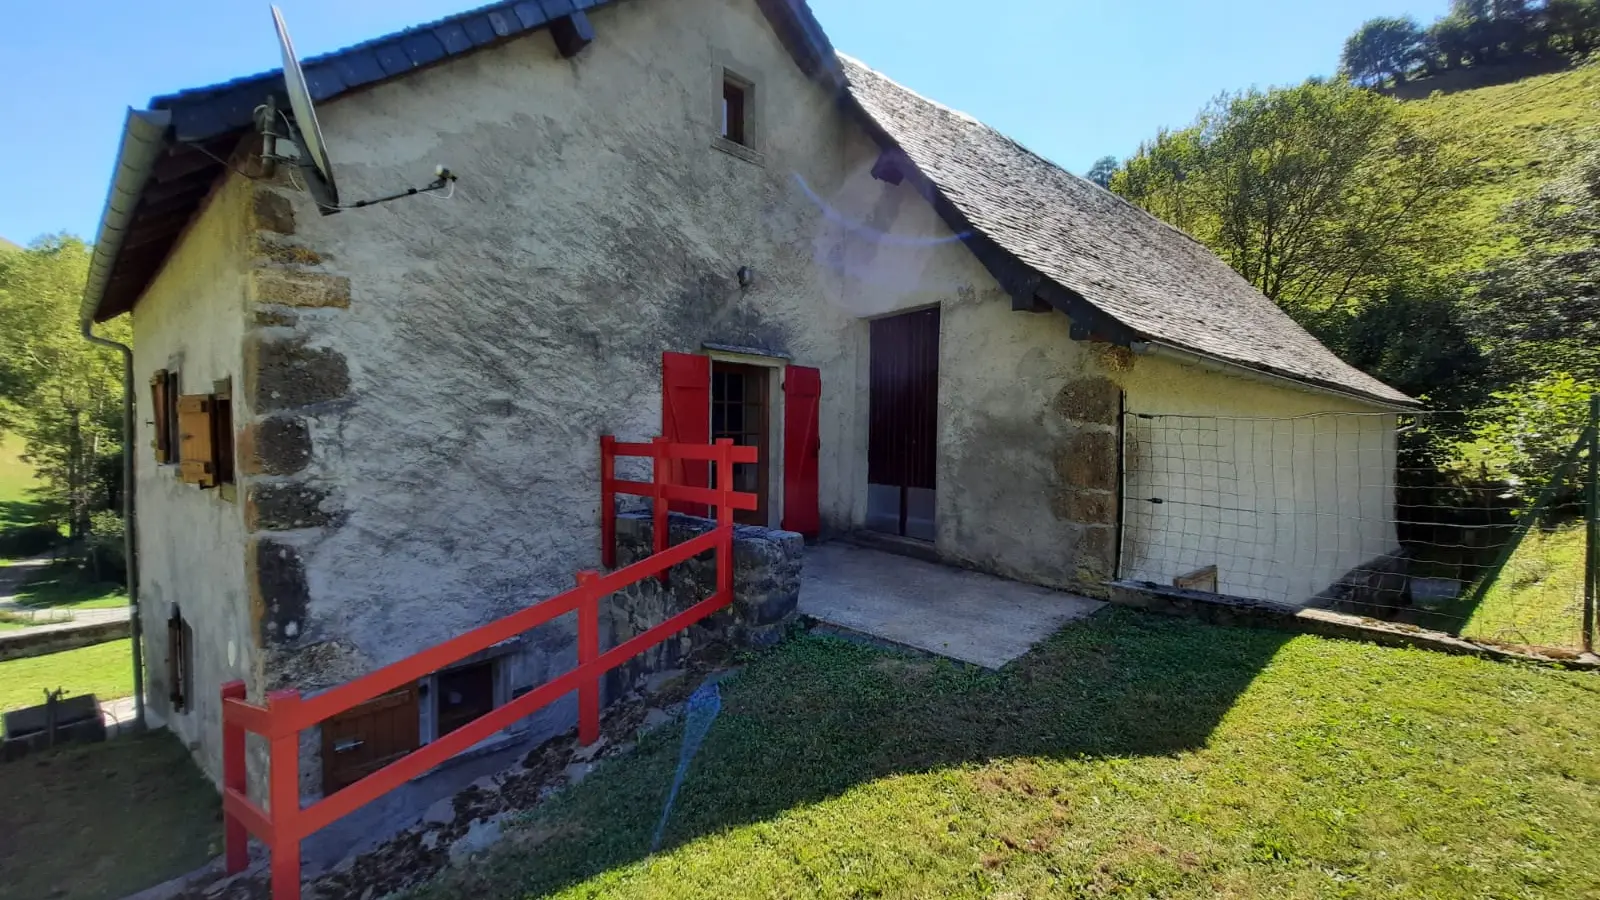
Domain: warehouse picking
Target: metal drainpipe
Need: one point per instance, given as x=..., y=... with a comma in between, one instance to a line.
x=130, y=529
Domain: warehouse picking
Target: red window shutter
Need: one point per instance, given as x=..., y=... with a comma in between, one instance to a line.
x=686, y=417
x=802, y=396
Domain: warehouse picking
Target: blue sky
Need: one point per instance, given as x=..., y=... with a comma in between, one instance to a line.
x=1073, y=81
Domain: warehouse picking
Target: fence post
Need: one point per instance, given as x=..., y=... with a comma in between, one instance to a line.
x=608, y=501
x=725, y=518
x=235, y=839
x=588, y=652
x=660, y=477
x=1591, y=555
x=283, y=793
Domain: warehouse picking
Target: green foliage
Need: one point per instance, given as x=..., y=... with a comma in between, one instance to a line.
x=1102, y=171
x=60, y=393
x=1529, y=429
x=1315, y=194
x=1383, y=48
x=1474, y=32
x=1409, y=334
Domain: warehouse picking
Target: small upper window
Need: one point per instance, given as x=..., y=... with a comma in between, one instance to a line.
x=735, y=110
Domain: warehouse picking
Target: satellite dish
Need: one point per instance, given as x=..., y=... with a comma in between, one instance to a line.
x=314, y=154
x=306, y=135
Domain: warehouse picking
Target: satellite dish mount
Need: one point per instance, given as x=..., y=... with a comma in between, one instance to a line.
x=304, y=135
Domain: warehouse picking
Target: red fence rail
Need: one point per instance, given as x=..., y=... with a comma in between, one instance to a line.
x=284, y=822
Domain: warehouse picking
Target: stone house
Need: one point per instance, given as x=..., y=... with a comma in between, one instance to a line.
x=366, y=432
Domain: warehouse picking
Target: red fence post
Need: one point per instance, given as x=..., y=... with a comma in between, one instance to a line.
x=235, y=839
x=725, y=518
x=608, y=501
x=660, y=477
x=588, y=652
x=283, y=794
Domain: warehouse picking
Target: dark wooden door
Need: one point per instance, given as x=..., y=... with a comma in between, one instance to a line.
x=363, y=740
x=903, y=412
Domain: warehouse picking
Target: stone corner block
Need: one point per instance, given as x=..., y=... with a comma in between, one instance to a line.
x=280, y=596
x=288, y=287
x=285, y=506
x=286, y=373
x=276, y=445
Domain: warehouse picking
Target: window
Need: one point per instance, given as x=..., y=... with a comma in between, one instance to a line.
x=180, y=661
x=735, y=110
x=456, y=696
x=164, y=414
x=739, y=410
x=205, y=437
x=461, y=695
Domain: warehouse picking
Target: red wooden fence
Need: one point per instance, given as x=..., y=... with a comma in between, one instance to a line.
x=284, y=823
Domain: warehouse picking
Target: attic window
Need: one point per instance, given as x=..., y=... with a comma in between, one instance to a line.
x=735, y=110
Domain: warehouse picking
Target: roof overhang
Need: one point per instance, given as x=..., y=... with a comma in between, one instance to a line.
x=172, y=154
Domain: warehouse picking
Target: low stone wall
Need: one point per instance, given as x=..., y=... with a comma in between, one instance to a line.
x=766, y=591
x=1222, y=609
x=43, y=639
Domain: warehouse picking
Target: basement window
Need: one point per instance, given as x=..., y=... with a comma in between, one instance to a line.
x=180, y=661
x=457, y=696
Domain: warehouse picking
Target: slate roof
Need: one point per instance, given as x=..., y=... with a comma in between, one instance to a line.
x=1144, y=273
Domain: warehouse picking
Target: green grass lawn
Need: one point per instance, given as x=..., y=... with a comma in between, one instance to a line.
x=104, y=820
x=1129, y=756
x=17, y=504
x=1538, y=598
x=65, y=588
x=1511, y=131
x=105, y=670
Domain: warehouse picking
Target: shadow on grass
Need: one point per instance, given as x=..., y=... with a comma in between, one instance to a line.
x=65, y=586
x=819, y=716
x=99, y=821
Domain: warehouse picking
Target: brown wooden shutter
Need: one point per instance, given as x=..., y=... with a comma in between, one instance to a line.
x=158, y=411
x=363, y=740
x=196, y=457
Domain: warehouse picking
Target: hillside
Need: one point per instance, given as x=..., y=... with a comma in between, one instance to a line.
x=1515, y=132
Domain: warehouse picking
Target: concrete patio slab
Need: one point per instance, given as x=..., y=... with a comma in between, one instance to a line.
x=964, y=615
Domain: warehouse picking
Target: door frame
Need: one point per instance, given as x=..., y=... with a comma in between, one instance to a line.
x=775, y=419
x=865, y=401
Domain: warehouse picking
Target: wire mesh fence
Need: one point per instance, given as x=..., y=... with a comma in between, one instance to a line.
x=1352, y=511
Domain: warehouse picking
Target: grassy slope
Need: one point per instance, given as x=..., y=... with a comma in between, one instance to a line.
x=1538, y=598
x=16, y=482
x=1513, y=131
x=101, y=821
x=1129, y=756
x=105, y=670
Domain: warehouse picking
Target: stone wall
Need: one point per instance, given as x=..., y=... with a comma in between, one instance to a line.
x=46, y=639
x=766, y=591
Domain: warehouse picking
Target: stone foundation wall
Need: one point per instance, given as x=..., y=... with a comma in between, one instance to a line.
x=766, y=589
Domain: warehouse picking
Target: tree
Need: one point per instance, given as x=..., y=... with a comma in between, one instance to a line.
x=62, y=394
x=1451, y=40
x=1538, y=308
x=1386, y=47
x=1575, y=24
x=1102, y=170
x=1316, y=194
